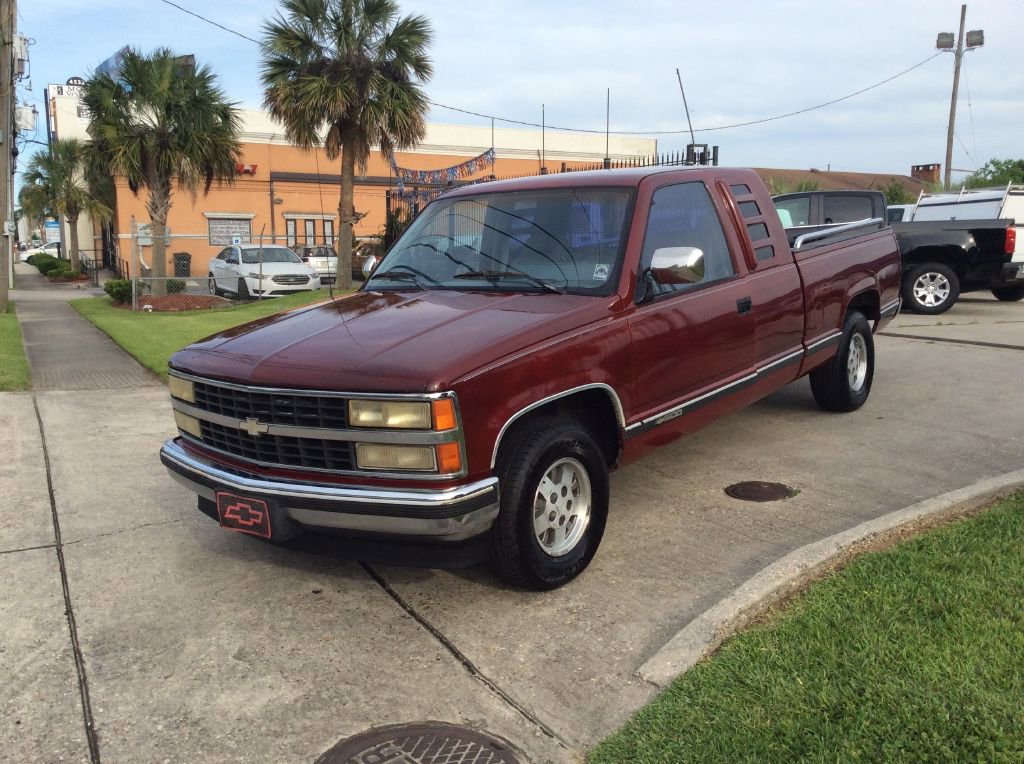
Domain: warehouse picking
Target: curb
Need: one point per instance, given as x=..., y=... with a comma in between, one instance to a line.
x=704, y=634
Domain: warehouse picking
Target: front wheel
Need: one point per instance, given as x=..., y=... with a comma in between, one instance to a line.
x=1009, y=293
x=214, y=290
x=243, y=290
x=554, y=502
x=931, y=289
x=844, y=383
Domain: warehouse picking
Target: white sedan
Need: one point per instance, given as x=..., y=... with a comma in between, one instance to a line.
x=251, y=270
x=50, y=248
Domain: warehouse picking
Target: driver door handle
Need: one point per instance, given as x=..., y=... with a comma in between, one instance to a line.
x=744, y=305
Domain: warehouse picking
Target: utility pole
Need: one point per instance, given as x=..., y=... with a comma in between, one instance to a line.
x=975, y=39
x=7, y=102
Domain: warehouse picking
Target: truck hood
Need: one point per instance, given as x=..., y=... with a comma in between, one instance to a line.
x=388, y=341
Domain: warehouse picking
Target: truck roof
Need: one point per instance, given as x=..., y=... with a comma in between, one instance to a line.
x=630, y=176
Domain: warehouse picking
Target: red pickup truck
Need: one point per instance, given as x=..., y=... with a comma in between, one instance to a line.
x=519, y=341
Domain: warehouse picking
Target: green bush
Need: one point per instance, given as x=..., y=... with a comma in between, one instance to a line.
x=63, y=271
x=176, y=286
x=120, y=290
x=47, y=263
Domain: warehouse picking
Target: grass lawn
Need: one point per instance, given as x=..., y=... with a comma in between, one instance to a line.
x=154, y=337
x=14, y=374
x=914, y=654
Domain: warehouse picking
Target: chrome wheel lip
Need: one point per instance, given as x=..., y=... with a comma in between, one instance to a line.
x=931, y=289
x=562, y=504
x=857, y=362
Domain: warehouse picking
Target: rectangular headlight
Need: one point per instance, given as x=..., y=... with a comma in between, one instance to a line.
x=181, y=388
x=405, y=415
x=379, y=456
x=188, y=424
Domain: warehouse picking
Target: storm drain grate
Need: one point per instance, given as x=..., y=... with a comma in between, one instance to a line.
x=759, y=490
x=427, y=743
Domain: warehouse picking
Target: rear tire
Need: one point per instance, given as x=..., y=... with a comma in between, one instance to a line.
x=243, y=290
x=1009, y=293
x=930, y=289
x=554, y=503
x=844, y=383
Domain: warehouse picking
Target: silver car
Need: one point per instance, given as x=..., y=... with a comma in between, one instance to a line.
x=251, y=270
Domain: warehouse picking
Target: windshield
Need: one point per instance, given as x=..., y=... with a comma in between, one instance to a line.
x=270, y=255
x=565, y=240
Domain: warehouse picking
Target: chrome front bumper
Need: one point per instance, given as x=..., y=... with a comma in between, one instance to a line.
x=451, y=514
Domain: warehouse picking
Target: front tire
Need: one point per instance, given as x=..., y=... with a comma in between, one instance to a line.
x=844, y=383
x=931, y=289
x=1009, y=293
x=214, y=290
x=554, y=503
x=243, y=290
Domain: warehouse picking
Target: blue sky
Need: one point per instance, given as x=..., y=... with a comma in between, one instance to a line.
x=740, y=61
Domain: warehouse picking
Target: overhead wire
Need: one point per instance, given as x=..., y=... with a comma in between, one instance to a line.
x=525, y=123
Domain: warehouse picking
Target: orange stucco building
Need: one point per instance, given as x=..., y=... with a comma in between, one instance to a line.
x=290, y=196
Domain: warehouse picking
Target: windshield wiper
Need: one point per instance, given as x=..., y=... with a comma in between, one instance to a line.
x=402, y=272
x=500, y=275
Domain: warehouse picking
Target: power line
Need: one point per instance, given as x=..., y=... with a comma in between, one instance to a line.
x=615, y=132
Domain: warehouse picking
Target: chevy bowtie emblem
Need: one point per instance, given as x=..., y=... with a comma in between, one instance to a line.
x=254, y=427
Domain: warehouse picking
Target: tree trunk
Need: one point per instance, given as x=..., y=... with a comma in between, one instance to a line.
x=158, y=206
x=346, y=215
x=76, y=264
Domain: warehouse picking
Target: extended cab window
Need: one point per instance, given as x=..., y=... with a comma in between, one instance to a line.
x=684, y=216
x=846, y=209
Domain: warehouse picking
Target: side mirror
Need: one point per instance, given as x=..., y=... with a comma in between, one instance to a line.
x=370, y=265
x=677, y=265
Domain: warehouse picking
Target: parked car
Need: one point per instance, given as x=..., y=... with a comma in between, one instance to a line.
x=324, y=260
x=899, y=213
x=51, y=248
x=941, y=258
x=252, y=270
x=482, y=383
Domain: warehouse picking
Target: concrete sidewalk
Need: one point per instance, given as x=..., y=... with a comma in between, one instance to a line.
x=66, y=352
x=200, y=645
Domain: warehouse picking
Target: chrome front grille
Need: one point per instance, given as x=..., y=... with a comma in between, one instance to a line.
x=302, y=453
x=291, y=279
x=294, y=409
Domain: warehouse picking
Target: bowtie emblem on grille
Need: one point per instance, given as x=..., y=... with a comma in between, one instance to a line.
x=254, y=427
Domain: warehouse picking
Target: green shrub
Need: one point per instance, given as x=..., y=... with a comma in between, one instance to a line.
x=120, y=290
x=63, y=271
x=47, y=263
x=176, y=286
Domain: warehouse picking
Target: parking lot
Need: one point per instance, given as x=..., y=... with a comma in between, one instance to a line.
x=194, y=644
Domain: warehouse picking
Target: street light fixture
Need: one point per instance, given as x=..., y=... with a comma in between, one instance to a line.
x=944, y=42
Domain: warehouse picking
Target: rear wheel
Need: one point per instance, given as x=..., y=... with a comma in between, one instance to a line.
x=844, y=383
x=1009, y=293
x=931, y=289
x=554, y=502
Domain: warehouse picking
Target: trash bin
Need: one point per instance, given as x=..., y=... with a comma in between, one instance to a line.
x=182, y=264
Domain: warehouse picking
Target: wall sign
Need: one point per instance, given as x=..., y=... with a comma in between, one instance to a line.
x=223, y=231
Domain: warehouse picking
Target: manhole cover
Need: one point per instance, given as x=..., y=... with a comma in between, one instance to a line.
x=759, y=490
x=427, y=743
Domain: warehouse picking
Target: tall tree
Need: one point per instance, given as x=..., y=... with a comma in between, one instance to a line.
x=162, y=122
x=58, y=176
x=350, y=71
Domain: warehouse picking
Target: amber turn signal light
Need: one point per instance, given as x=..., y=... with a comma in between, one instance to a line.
x=448, y=458
x=444, y=414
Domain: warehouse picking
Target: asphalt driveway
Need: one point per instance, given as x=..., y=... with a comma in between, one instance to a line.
x=195, y=644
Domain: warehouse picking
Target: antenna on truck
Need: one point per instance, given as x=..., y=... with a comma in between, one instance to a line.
x=693, y=141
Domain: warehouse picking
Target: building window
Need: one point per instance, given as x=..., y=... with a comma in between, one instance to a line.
x=310, y=231
x=290, y=229
x=328, y=232
x=224, y=231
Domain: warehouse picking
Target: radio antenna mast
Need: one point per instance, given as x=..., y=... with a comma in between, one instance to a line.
x=693, y=141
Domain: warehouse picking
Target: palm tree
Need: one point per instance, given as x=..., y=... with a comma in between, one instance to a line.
x=163, y=121
x=352, y=68
x=58, y=176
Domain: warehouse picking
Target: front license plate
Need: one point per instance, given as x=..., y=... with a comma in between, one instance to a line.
x=242, y=514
